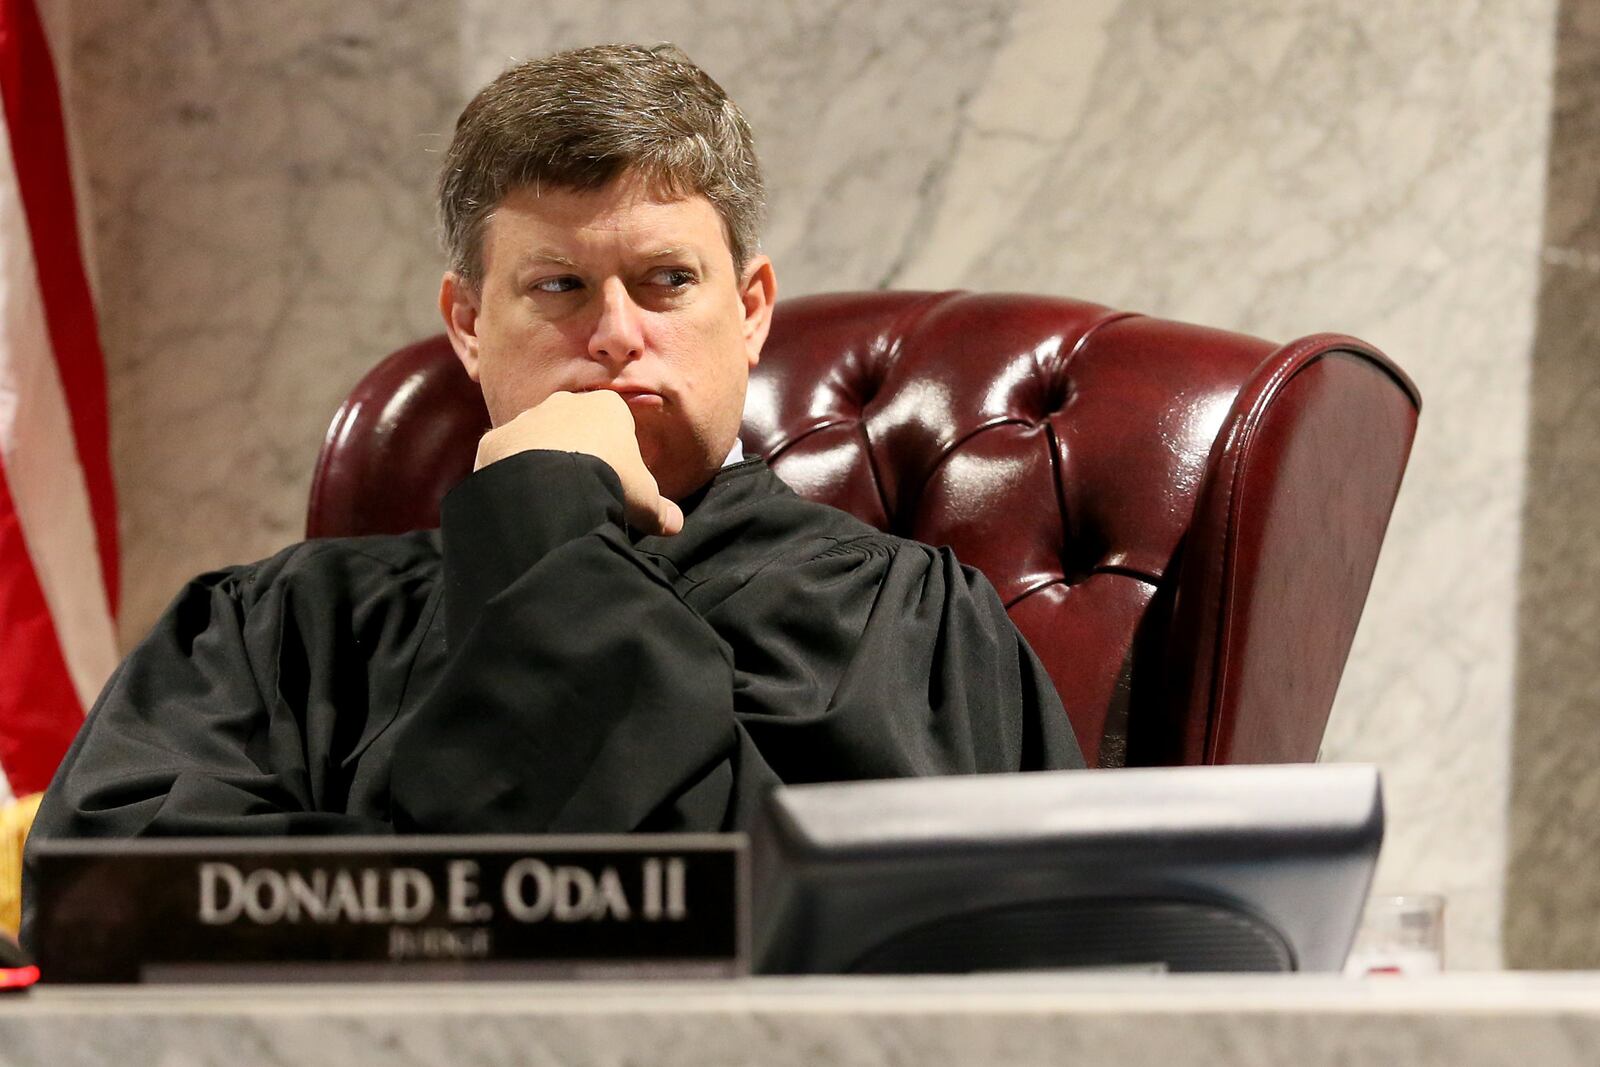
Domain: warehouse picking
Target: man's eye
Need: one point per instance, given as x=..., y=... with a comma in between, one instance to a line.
x=566, y=283
x=673, y=278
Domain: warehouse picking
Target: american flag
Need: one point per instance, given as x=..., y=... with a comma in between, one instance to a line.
x=58, y=524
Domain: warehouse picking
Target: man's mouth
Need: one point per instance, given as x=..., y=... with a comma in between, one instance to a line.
x=637, y=396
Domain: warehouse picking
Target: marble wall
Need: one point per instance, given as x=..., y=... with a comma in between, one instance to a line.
x=1553, y=878
x=258, y=182
x=260, y=174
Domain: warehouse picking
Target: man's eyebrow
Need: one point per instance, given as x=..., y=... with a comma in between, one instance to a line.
x=547, y=255
x=550, y=255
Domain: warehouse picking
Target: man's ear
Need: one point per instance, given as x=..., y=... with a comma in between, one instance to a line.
x=458, y=303
x=757, y=293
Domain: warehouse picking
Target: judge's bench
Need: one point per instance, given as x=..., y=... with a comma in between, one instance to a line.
x=1463, y=1020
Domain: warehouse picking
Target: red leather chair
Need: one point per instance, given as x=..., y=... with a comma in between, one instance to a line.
x=1183, y=522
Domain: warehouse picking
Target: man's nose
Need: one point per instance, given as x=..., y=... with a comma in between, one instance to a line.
x=618, y=337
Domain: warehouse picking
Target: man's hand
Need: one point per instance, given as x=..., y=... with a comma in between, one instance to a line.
x=599, y=424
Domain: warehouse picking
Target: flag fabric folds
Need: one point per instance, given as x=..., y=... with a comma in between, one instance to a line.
x=58, y=536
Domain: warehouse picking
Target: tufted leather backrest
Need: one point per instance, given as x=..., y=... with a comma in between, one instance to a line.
x=1183, y=522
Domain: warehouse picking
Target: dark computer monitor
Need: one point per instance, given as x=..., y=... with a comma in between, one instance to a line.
x=1179, y=869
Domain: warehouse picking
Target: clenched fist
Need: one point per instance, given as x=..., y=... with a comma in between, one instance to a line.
x=596, y=423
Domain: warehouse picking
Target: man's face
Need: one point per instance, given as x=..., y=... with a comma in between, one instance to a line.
x=617, y=289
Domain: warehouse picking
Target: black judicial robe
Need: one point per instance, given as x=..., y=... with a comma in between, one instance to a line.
x=528, y=668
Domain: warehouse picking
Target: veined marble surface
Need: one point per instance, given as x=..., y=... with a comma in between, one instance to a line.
x=261, y=177
x=1553, y=896
x=1161, y=1021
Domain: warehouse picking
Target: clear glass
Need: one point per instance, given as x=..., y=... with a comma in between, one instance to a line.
x=1401, y=935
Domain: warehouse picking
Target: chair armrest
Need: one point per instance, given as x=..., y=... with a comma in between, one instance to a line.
x=1278, y=561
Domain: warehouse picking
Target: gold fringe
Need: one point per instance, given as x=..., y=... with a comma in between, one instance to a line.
x=15, y=819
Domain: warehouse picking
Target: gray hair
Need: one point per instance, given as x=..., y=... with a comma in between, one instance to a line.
x=582, y=118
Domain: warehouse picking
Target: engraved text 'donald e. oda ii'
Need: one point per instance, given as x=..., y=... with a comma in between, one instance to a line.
x=530, y=891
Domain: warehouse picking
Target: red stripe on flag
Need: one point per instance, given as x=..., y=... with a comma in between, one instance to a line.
x=39, y=154
x=39, y=709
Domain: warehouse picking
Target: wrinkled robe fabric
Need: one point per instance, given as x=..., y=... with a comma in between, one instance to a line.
x=529, y=668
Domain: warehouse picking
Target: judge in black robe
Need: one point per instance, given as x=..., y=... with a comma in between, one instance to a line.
x=529, y=668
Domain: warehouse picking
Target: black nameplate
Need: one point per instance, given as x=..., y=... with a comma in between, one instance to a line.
x=397, y=907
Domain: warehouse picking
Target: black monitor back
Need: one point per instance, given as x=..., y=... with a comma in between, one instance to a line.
x=1180, y=869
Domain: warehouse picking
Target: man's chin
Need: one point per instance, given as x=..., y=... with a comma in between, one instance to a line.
x=677, y=456
x=678, y=480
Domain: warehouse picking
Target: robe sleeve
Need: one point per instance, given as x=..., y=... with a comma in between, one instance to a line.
x=583, y=694
x=193, y=734
x=579, y=693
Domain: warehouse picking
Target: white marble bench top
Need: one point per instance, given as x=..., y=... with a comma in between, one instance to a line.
x=1548, y=1020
